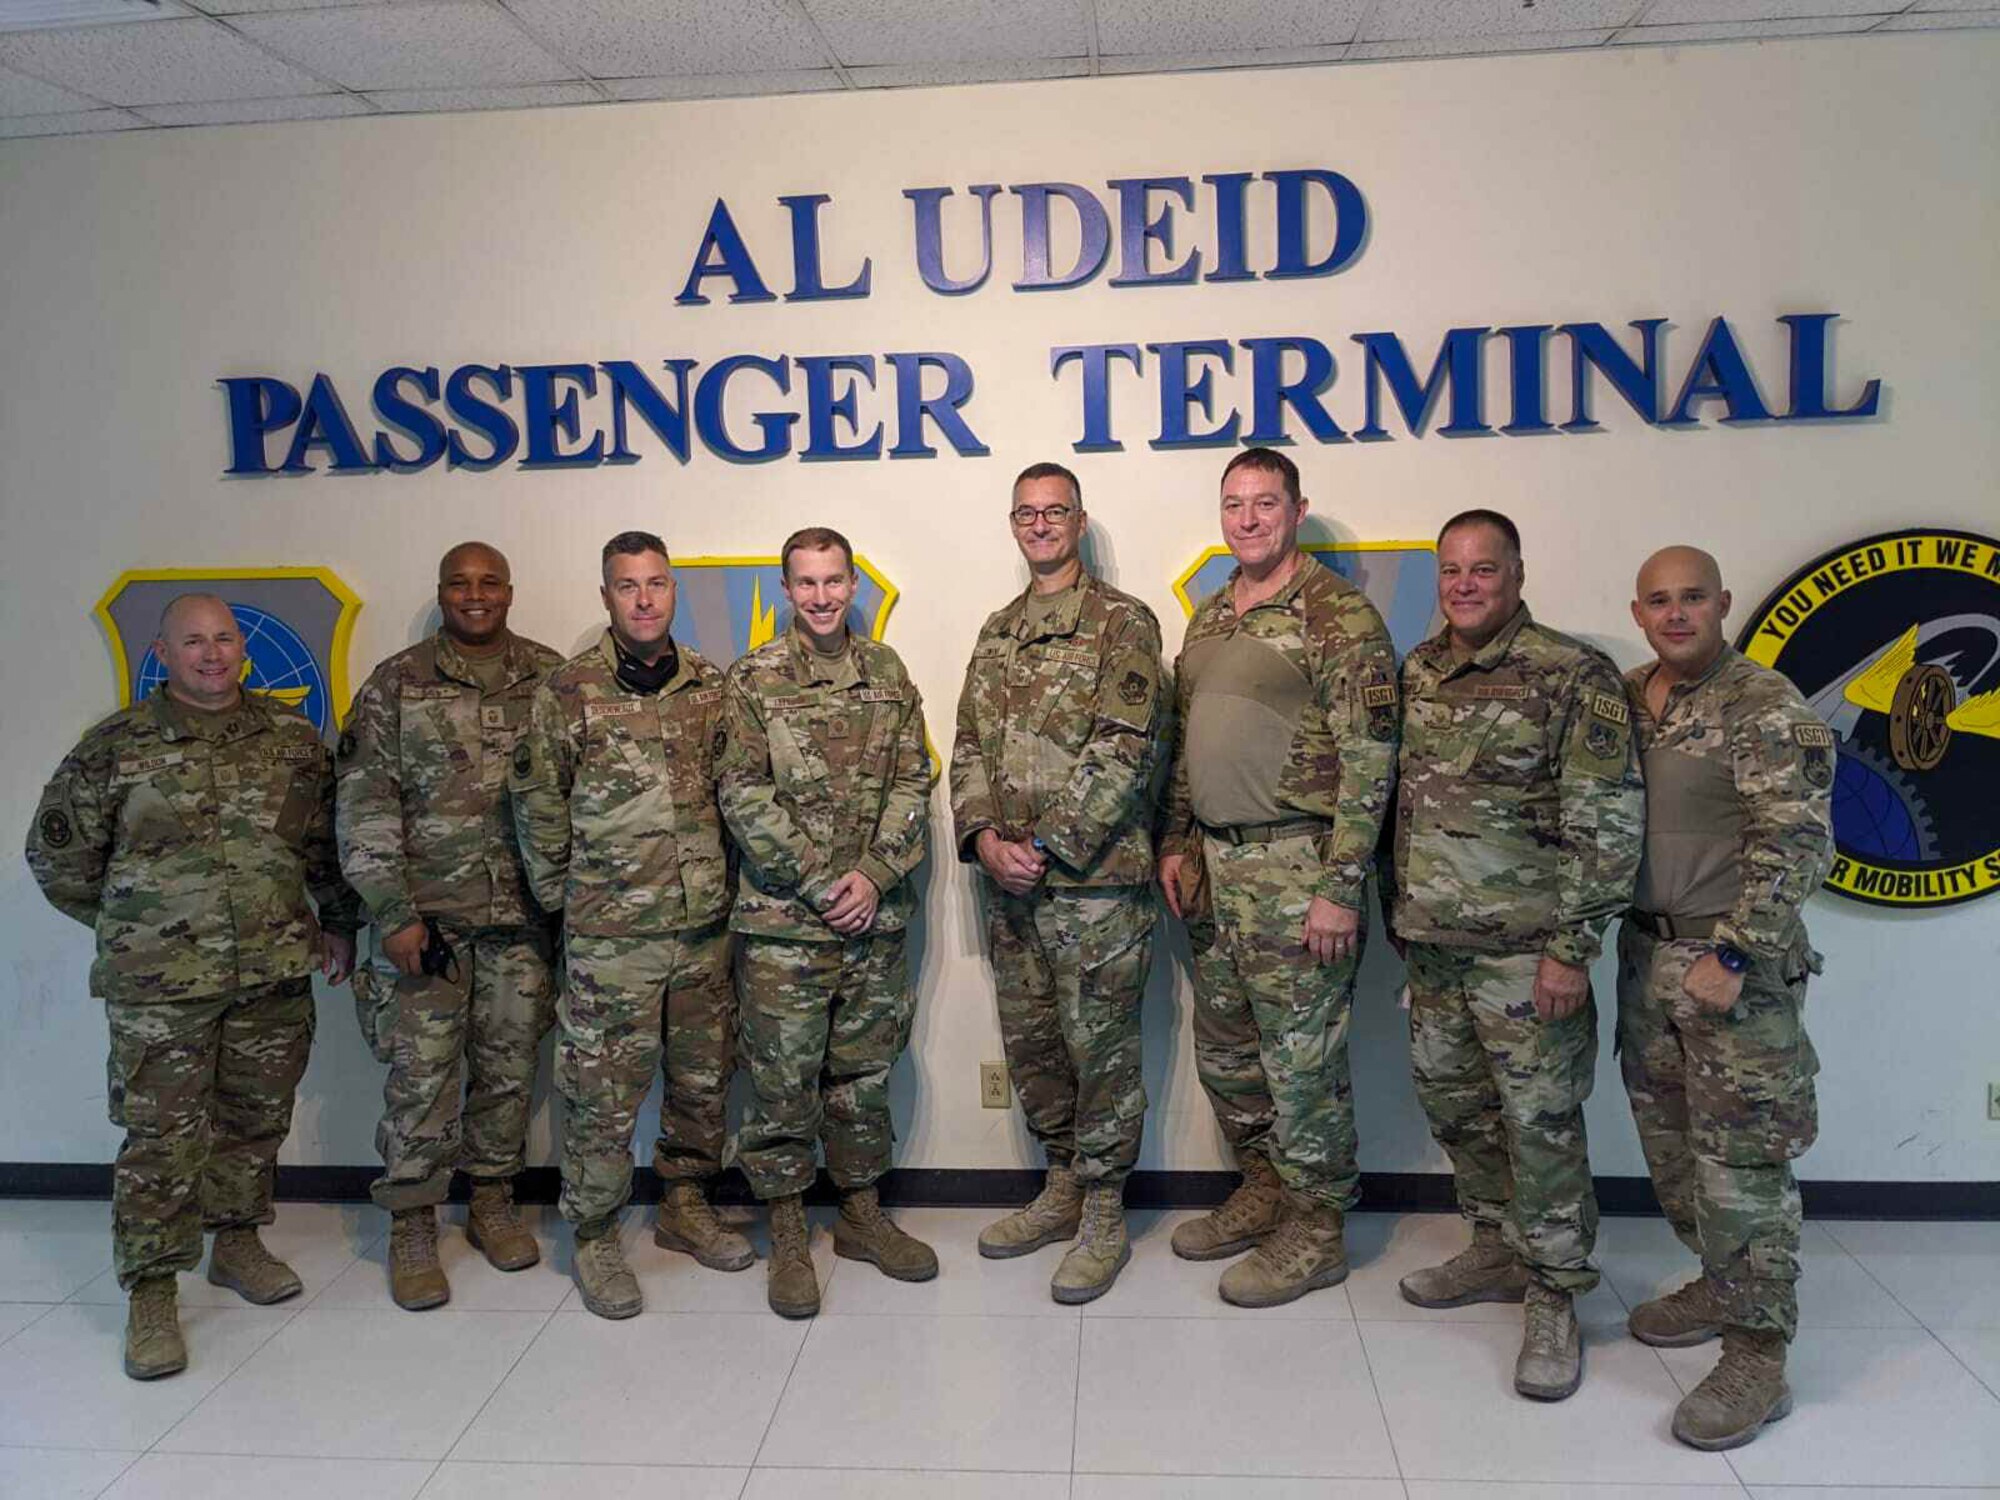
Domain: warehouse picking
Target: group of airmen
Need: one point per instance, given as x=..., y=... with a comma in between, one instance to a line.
x=678, y=867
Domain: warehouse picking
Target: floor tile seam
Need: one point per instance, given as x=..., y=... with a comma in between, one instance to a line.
x=784, y=1389
x=1869, y=1271
x=1076, y=1400
x=113, y=1482
x=291, y=1316
x=507, y=1375
x=46, y=1309
x=1939, y=1340
x=875, y=1468
x=1381, y=1407
x=429, y=1479
x=1320, y=1474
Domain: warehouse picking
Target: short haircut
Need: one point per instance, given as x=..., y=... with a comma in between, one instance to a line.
x=633, y=544
x=813, y=539
x=173, y=604
x=1267, y=461
x=1491, y=518
x=1049, y=471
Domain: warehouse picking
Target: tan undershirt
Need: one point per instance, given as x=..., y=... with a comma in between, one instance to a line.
x=1244, y=703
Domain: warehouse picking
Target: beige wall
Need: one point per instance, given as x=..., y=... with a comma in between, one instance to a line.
x=1748, y=181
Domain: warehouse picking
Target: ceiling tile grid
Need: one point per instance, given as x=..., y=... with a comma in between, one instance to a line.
x=664, y=38
x=221, y=62
x=154, y=62
x=419, y=44
x=863, y=32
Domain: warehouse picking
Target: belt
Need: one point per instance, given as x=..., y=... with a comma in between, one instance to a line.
x=1264, y=833
x=1673, y=927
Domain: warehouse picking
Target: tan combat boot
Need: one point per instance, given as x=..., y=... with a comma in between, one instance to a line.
x=416, y=1279
x=608, y=1286
x=1054, y=1213
x=1745, y=1390
x=794, y=1289
x=864, y=1232
x=1245, y=1217
x=1101, y=1250
x=687, y=1223
x=494, y=1226
x=1550, y=1365
x=1307, y=1251
x=153, y=1344
x=240, y=1262
x=1485, y=1271
x=1679, y=1320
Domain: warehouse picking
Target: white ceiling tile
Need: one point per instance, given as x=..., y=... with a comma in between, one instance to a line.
x=246, y=7
x=1955, y=5
x=653, y=38
x=1155, y=28
x=37, y=15
x=1673, y=12
x=79, y=122
x=950, y=31
x=448, y=44
x=725, y=85
x=1399, y=20
x=926, y=75
x=516, y=96
x=161, y=62
x=1466, y=46
x=1201, y=62
x=1942, y=20
x=22, y=95
x=1730, y=31
x=255, y=111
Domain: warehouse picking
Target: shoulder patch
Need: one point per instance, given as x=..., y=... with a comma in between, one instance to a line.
x=1132, y=689
x=524, y=758
x=1612, y=710
x=1813, y=736
x=55, y=828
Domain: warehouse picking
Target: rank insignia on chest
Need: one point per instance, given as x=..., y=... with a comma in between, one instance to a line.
x=493, y=716
x=836, y=729
x=55, y=827
x=1132, y=689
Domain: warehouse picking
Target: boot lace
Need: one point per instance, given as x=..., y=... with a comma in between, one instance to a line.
x=692, y=1206
x=1694, y=1303
x=416, y=1243
x=1738, y=1377
x=153, y=1310
x=788, y=1235
x=1102, y=1215
x=1547, y=1321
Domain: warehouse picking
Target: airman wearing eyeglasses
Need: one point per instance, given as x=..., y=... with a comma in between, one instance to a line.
x=1054, y=775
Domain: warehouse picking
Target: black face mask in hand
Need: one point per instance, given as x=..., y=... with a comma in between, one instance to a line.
x=438, y=960
x=635, y=676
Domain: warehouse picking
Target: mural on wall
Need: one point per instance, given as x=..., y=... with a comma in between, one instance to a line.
x=1399, y=578
x=296, y=625
x=1895, y=641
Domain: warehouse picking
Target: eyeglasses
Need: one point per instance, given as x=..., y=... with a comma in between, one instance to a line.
x=1027, y=515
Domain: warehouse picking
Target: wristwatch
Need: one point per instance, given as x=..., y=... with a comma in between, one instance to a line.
x=1037, y=845
x=1732, y=958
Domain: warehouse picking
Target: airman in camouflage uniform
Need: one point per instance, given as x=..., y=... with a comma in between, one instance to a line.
x=426, y=839
x=1713, y=963
x=1519, y=816
x=613, y=792
x=1052, y=791
x=825, y=783
x=186, y=831
x=1281, y=775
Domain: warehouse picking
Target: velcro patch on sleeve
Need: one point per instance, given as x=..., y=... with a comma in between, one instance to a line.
x=1813, y=736
x=1379, y=695
x=1612, y=710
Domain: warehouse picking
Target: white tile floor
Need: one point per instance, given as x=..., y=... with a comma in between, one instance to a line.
x=973, y=1387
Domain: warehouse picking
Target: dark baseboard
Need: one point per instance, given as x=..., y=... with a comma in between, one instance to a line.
x=975, y=1187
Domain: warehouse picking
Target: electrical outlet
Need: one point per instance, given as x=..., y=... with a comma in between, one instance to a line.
x=993, y=1086
x=1993, y=1101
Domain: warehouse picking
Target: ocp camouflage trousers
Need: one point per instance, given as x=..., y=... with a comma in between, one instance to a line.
x=1271, y=1023
x=1724, y=1102
x=1069, y=967
x=1504, y=1093
x=461, y=1059
x=634, y=1005
x=203, y=1090
x=823, y=1023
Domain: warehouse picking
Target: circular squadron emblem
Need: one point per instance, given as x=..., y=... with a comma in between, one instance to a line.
x=1895, y=641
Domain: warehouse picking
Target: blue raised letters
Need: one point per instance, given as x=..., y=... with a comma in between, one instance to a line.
x=709, y=421
x=1593, y=347
x=1458, y=361
x=1094, y=231
x=547, y=421
x=1231, y=261
x=1719, y=372
x=325, y=425
x=408, y=418
x=1527, y=344
x=1178, y=393
x=824, y=406
x=807, y=285
x=723, y=253
x=930, y=237
x=629, y=385
x=1095, y=362
x=1350, y=223
x=1271, y=393
x=912, y=405
x=469, y=409
x=1138, y=233
x=258, y=406
x=1809, y=393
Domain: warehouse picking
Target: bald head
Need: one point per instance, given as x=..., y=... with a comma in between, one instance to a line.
x=181, y=606
x=202, y=650
x=1680, y=603
x=475, y=591
x=1678, y=564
